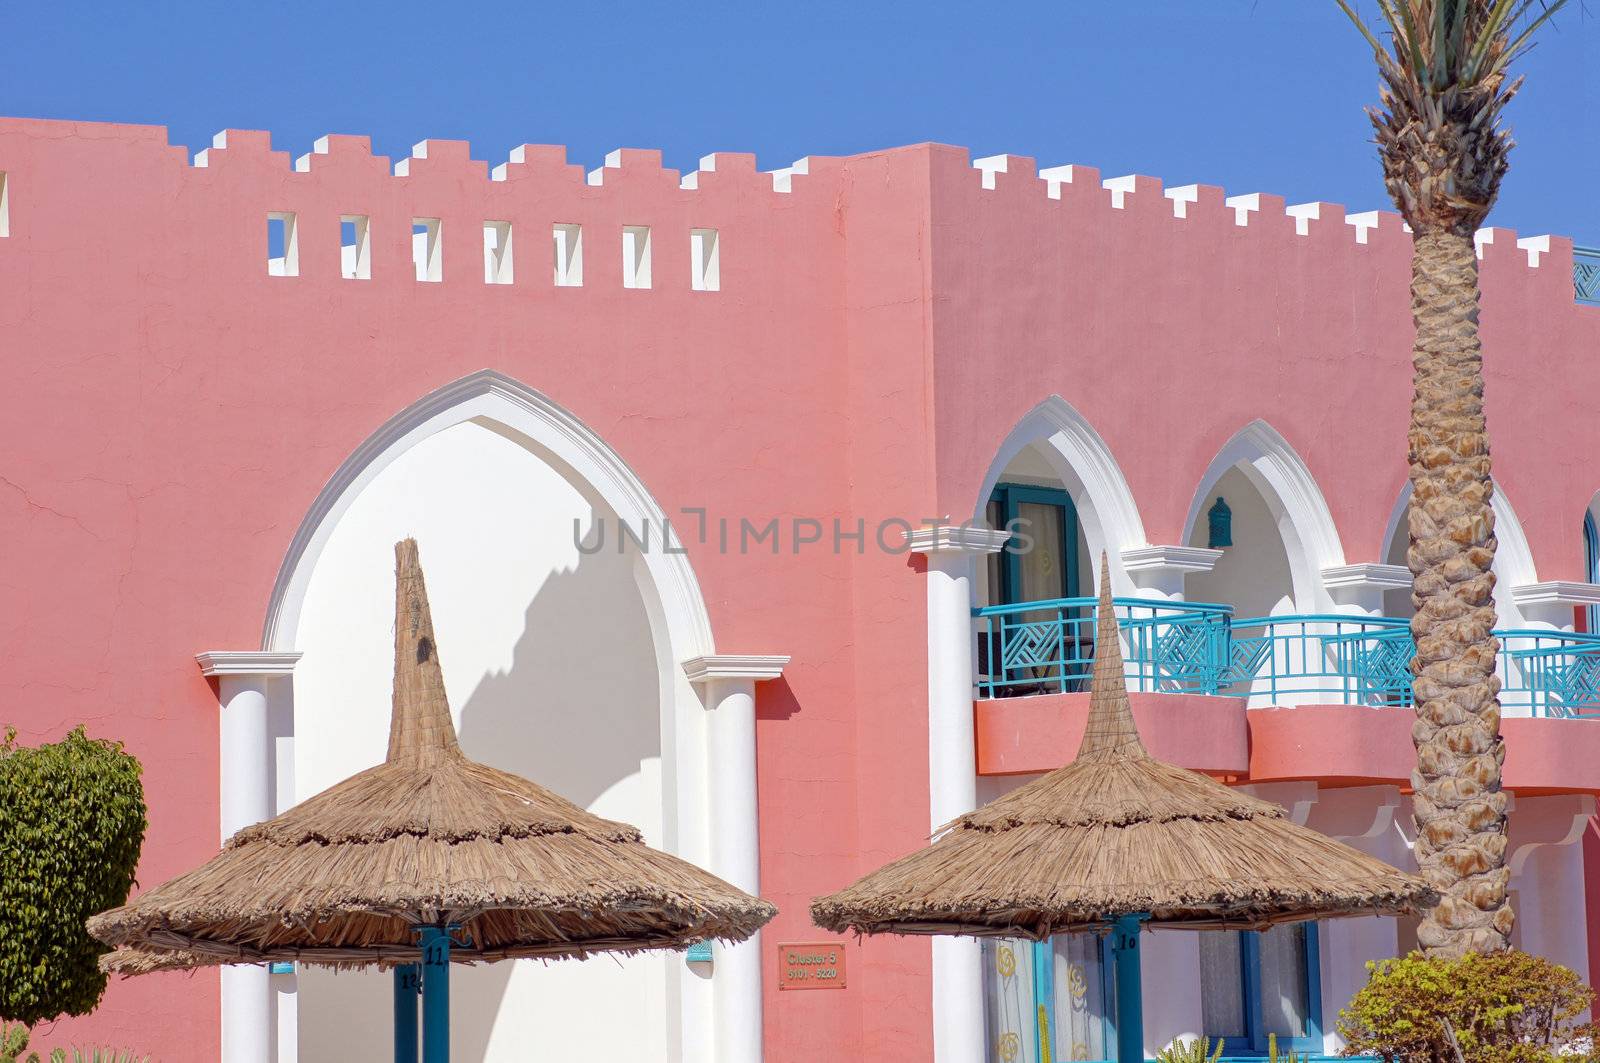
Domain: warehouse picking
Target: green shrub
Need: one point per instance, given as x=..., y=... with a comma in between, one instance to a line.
x=72, y=818
x=1195, y=1050
x=1501, y=1007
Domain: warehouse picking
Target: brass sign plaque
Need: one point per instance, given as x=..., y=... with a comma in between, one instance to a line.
x=811, y=966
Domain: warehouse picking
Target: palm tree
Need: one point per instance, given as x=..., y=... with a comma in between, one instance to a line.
x=1445, y=82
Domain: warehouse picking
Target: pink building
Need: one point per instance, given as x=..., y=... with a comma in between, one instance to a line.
x=235, y=379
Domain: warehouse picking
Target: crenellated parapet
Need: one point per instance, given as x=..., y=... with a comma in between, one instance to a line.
x=525, y=201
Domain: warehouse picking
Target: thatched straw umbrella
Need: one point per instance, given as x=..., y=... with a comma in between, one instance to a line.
x=1113, y=841
x=428, y=857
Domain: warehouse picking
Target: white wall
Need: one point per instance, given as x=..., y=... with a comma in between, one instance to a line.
x=552, y=674
x=1253, y=574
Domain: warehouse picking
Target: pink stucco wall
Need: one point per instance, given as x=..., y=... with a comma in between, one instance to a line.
x=171, y=411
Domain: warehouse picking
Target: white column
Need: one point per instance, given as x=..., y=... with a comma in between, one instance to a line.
x=729, y=684
x=246, y=684
x=1159, y=571
x=952, y=763
x=1359, y=589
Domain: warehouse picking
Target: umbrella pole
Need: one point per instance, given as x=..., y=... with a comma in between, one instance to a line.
x=407, y=983
x=1130, y=988
x=435, y=994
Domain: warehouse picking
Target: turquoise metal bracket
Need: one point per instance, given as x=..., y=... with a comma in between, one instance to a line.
x=1130, y=990
x=280, y=968
x=699, y=952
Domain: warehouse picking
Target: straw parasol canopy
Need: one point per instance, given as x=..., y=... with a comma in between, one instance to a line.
x=1118, y=833
x=427, y=838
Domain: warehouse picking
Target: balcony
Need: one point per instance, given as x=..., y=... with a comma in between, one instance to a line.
x=1586, y=275
x=1047, y=647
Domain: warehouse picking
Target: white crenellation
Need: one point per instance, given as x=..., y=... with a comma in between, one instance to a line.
x=518, y=155
x=1243, y=206
x=1056, y=176
x=1119, y=187
x=1181, y=197
x=783, y=179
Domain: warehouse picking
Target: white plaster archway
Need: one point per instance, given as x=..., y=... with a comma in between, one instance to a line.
x=678, y=620
x=1086, y=468
x=1305, y=524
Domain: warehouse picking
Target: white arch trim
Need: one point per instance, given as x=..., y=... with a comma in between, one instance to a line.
x=512, y=408
x=1513, y=557
x=1305, y=523
x=1086, y=468
x=678, y=619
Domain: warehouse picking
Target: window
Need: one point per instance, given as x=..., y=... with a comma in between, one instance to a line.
x=497, y=252
x=569, y=256
x=1253, y=984
x=1591, y=555
x=1048, y=1001
x=1040, y=564
x=355, y=249
x=705, y=261
x=283, y=245
x=5, y=205
x=636, y=256
x=427, y=250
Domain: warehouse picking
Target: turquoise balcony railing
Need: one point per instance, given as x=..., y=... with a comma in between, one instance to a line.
x=1329, y=659
x=1048, y=647
x=1586, y=274
x=1549, y=673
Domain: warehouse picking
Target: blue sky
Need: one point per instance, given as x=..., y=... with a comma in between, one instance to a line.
x=1254, y=95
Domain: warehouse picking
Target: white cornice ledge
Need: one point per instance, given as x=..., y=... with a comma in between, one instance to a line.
x=735, y=666
x=1366, y=576
x=1556, y=592
x=957, y=538
x=1170, y=559
x=246, y=662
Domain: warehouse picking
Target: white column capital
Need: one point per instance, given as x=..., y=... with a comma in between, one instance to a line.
x=1552, y=601
x=1364, y=585
x=1161, y=568
x=957, y=539
x=757, y=668
x=261, y=663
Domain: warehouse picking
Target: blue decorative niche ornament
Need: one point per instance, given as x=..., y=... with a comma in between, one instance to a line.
x=1219, y=519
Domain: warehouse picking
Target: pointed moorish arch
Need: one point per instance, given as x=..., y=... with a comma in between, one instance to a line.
x=1086, y=468
x=679, y=623
x=1305, y=523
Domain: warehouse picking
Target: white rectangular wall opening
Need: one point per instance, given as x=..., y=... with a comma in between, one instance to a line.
x=355, y=247
x=5, y=205
x=569, y=256
x=427, y=250
x=636, y=256
x=705, y=261
x=283, y=244
x=497, y=252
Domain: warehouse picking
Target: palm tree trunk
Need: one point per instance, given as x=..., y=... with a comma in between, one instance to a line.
x=1460, y=809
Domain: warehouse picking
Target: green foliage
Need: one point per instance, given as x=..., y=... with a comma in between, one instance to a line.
x=1197, y=1050
x=14, y=1040
x=1274, y=1056
x=1500, y=1007
x=74, y=818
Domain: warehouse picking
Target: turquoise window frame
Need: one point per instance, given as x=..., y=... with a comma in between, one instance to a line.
x=1010, y=497
x=1591, y=569
x=1250, y=976
x=1044, y=996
